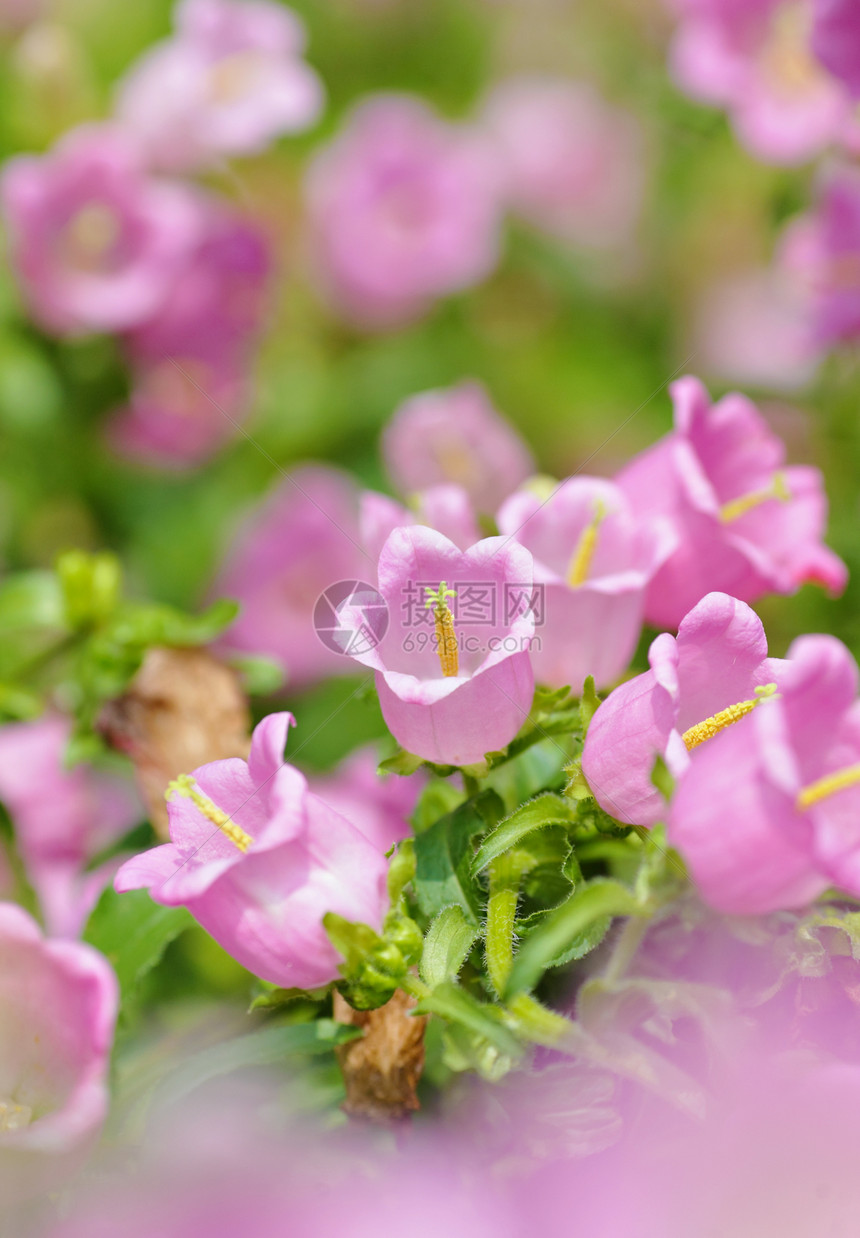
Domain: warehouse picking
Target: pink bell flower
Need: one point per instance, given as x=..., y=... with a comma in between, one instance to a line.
x=62, y=819
x=744, y=523
x=572, y=164
x=455, y=434
x=715, y=671
x=230, y=81
x=594, y=561
x=453, y=671
x=404, y=209
x=94, y=242
x=59, y=1003
x=769, y=815
x=304, y=538
x=259, y=860
x=756, y=60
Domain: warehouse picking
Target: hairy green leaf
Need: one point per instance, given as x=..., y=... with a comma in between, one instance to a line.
x=546, y=809
x=446, y=946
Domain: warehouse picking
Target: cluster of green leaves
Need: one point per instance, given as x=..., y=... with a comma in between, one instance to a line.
x=70, y=637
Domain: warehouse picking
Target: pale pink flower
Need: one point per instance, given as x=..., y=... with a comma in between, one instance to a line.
x=230, y=81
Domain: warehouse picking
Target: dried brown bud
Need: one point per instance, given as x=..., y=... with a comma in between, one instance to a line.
x=382, y=1069
x=182, y=709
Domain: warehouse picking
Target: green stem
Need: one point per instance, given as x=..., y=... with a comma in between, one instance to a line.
x=415, y=987
x=506, y=874
x=536, y=1023
x=626, y=947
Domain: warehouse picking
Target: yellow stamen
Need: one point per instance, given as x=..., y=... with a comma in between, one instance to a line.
x=14, y=1117
x=91, y=236
x=712, y=726
x=446, y=637
x=185, y=785
x=580, y=563
x=778, y=489
x=827, y=786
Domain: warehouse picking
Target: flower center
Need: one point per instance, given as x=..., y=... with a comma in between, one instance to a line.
x=778, y=489
x=824, y=787
x=90, y=237
x=583, y=555
x=185, y=785
x=14, y=1117
x=446, y=637
x=232, y=76
x=712, y=726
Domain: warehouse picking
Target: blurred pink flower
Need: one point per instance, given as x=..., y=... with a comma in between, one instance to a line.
x=836, y=40
x=304, y=538
x=821, y=251
x=258, y=860
x=755, y=60
x=716, y=662
x=757, y=328
x=59, y=1002
x=377, y=804
x=450, y=707
x=594, y=561
x=62, y=818
x=454, y=434
x=17, y=13
x=229, y=82
x=769, y=815
x=572, y=164
x=445, y=508
x=744, y=523
x=404, y=209
x=192, y=360
x=95, y=244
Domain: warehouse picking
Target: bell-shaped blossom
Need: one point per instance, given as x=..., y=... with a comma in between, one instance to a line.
x=404, y=209
x=62, y=819
x=445, y=508
x=769, y=815
x=453, y=671
x=377, y=804
x=58, y=1002
x=593, y=561
x=229, y=81
x=701, y=681
x=455, y=434
x=572, y=164
x=820, y=250
x=744, y=523
x=836, y=40
x=303, y=539
x=755, y=59
x=94, y=242
x=191, y=363
x=259, y=860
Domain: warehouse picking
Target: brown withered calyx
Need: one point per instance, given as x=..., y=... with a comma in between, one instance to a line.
x=381, y=1069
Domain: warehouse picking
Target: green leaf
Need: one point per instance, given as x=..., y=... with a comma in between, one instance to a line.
x=31, y=600
x=260, y=676
x=446, y=946
x=263, y=1048
x=270, y=997
x=403, y=763
x=401, y=869
x=451, y=1002
x=443, y=855
x=133, y=932
x=145, y=625
x=544, y=810
x=564, y=927
x=589, y=703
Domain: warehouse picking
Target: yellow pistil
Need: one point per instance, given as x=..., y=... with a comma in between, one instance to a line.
x=580, y=563
x=14, y=1117
x=712, y=726
x=446, y=637
x=778, y=489
x=824, y=787
x=185, y=785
